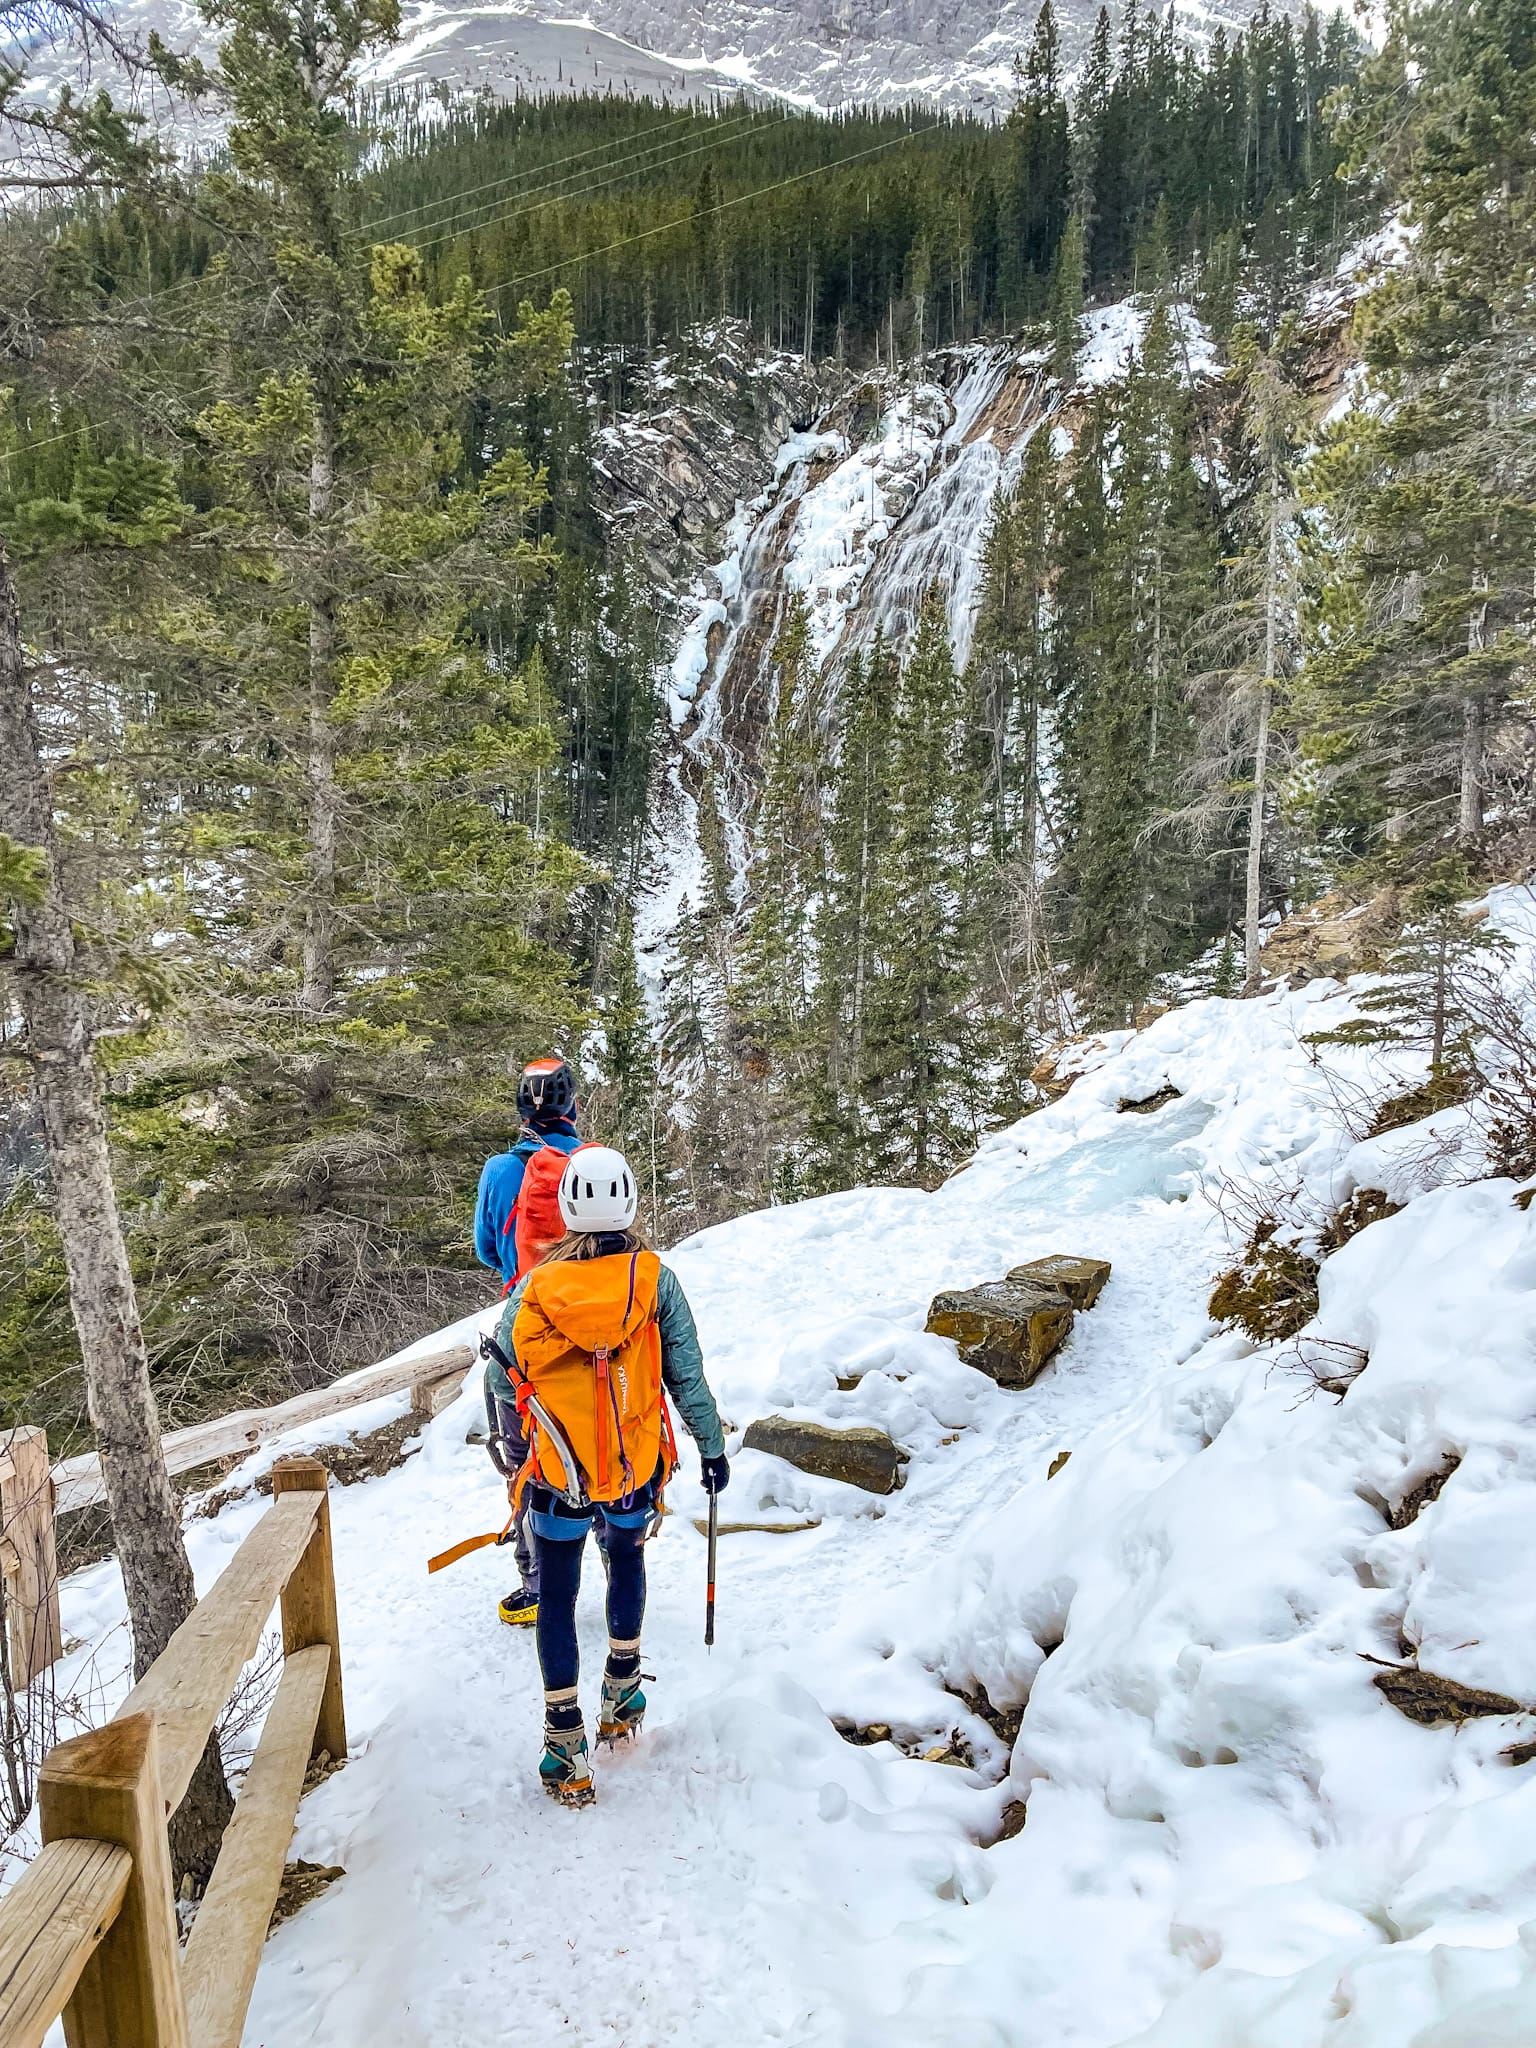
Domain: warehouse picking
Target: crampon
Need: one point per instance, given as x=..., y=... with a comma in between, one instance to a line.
x=622, y=1709
x=563, y=1769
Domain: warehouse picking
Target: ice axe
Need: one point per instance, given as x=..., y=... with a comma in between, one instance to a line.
x=709, y=1591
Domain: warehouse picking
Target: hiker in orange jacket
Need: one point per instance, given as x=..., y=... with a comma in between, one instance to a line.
x=598, y=1333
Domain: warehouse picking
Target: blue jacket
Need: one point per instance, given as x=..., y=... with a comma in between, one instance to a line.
x=501, y=1181
x=682, y=1365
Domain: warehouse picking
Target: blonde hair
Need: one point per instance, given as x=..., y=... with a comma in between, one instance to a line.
x=583, y=1244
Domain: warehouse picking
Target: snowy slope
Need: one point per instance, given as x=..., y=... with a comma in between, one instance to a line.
x=811, y=55
x=1231, y=1837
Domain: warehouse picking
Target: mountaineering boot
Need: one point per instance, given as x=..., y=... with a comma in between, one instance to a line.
x=520, y=1609
x=563, y=1769
x=623, y=1703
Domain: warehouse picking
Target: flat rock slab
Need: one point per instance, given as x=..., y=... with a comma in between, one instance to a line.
x=858, y=1457
x=1080, y=1280
x=1008, y=1329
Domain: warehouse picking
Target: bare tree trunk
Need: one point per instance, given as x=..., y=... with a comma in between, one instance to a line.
x=1251, y=902
x=1470, y=818
x=146, y=1523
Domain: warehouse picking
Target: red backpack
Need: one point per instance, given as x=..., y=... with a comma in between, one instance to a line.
x=536, y=1220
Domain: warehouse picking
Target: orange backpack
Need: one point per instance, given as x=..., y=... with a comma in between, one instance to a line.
x=536, y=1220
x=590, y=1352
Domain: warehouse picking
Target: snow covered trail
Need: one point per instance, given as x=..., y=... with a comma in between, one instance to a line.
x=692, y=1905
x=1196, y=1589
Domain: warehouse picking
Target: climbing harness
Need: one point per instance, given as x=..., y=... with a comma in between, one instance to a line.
x=573, y=1491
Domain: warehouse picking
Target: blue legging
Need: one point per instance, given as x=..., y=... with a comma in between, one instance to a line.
x=559, y=1562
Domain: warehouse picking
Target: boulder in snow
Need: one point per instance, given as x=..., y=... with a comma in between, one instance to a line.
x=1008, y=1329
x=859, y=1457
x=1082, y=1281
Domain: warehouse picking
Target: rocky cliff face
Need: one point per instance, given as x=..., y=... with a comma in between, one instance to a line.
x=818, y=52
x=742, y=478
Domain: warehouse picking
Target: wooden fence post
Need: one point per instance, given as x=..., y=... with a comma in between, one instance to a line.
x=309, y=1600
x=35, y=1638
x=105, y=1787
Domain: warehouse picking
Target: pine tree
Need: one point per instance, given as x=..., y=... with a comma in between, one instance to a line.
x=66, y=982
x=1426, y=997
x=777, y=970
x=369, y=831
x=918, y=1059
x=858, y=837
x=1126, y=723
x=1428, y=488
x=1036, y=204
x=1009, y=685
x=1067, y=301
x=1254, y=632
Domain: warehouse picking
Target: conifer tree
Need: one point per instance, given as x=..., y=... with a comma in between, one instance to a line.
x=916, y=1035
x=777, y=973
x=66, y=983
x=1127, y=725
x=1036, y=206
x=1429, y=487
x=1009, y=686
x=847, y=927
x=1253, y=632
x=373, y=898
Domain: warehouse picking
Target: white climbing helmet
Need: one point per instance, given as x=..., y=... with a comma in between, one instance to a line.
x=597, y=1190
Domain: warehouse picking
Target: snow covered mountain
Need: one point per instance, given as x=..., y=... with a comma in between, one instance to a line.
x=813, y=52
x=1161, y=1660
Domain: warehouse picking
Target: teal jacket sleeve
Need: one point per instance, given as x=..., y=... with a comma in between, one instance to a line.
x=495, y=1379
x=682, y=1366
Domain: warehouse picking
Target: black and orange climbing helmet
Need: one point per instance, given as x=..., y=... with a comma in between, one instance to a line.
x=547, y=1089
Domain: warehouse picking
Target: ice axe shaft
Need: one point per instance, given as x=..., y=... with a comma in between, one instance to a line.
x=709, y=1592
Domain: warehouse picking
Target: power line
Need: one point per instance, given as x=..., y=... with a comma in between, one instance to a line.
x=645, y=234
x=369, y=230
x=520, y=213
x=725, y=205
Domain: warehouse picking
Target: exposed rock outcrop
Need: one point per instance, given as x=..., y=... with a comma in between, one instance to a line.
x=1010, y=1329
x=859, y=1457
x=1332, y=937
x=700, y=437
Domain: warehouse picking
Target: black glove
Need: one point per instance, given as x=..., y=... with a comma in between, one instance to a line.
x=714, y=1474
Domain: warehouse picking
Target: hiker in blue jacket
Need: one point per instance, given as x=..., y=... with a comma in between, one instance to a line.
x=506, y=1240
x=546, y=1102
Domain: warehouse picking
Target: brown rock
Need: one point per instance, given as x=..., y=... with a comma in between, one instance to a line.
x=1008, y=1329
x=1332, y=937
x=858, y=1457
x=1045, y=1077
x=1080, y=1280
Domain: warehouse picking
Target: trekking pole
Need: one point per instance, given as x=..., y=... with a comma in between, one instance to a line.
x=709, y=1594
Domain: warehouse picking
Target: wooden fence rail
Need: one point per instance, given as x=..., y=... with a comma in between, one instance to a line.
x=90, y=1931
x=428, y=1375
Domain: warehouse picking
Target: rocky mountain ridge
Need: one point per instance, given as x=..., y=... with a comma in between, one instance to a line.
x=821, y=53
